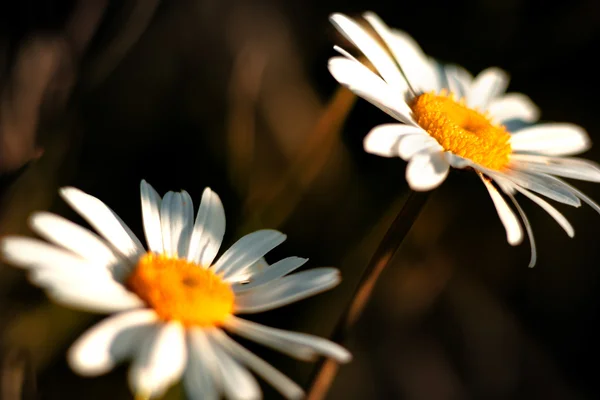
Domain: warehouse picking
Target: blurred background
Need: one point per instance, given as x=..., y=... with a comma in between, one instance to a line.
x=236, y=95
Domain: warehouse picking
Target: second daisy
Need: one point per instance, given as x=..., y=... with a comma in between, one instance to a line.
x=450, y=119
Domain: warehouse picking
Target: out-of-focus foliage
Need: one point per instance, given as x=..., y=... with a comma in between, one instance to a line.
x=235, y=95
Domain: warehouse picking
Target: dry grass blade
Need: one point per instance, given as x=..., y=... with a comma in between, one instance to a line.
x=246, y=79
x=131, y=28
x=381, y=259
x=17, y=377
x=305, y=168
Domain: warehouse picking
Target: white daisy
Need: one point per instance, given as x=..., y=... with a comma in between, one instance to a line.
x=173, y=303
x=450, y=119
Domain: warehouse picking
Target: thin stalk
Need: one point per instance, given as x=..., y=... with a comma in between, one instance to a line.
x=327, y=369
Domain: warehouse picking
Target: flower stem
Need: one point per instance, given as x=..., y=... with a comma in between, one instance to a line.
x=327, y=369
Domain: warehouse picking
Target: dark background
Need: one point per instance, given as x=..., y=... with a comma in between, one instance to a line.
x=236, y=95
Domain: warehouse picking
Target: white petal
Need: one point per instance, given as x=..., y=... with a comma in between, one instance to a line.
x=414, y=63
x=160, y=360
x=80, y=241
x=208, y=230
x=489, y=84
x=383, y=140
x=244, y=277
x=553, y=139
x=202, y=377
x=99, y=298
x=286, y=290
x=554, y=213
x=68, y=279
x=582, y=196
x=31, y=253
x=238, y=382
x=513, y=106
x=176, y=215
x=455, y=87
x=345, y=53
x=257, y=268
x=105, y=221
x=575, y=168
x=165, y=223
x=410, y=145
x=246, y=251
x=299, y=345
x=37, y=255
x=514, y=233
x=436, y=73
x=459, y=80
x=272, y=272
x=459, y=162
x=368, y=85
x=151, y=216
x=528, y=229
x=98, y=279
x=380, y=59
x=427, y=171
x=284, y=385
x=106, y=344
x=539, y=183
x=185, y=236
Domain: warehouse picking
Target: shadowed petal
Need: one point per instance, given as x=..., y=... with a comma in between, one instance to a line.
x=368, y=85
x=151, y=216
x=284, y=385
x=105, y=221
x=160, y=360
x=299, y=345
x=106, y=344
x=286, y=290
x=246, y=251
x=371, y=49
x=202, y=377
x=209, y=229
x=575, y=168
x=383, y=140
x=513, y=106
x=427, y=170
x=489, y=84
x=408, y=54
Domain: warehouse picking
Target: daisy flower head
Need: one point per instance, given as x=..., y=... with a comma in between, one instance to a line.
x=448, y=118
x=172, y=304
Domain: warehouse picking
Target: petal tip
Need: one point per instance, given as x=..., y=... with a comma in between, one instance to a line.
x=67, y=191
x=345, y=357
x=38, y=218
x=337, y=16
x=514, y=240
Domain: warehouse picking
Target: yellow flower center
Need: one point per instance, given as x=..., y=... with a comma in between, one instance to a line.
x=462, y=130
x=181, y=291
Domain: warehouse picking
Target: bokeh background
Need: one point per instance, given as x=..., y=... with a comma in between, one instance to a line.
x=236, y=95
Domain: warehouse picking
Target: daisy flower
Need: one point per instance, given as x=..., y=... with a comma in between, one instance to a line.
x=447, y=119
x=173, y=303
